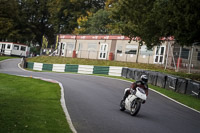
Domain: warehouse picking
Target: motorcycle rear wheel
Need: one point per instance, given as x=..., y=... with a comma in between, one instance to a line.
x=135, y=107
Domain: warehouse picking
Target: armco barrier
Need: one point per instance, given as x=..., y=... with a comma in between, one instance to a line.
x=58, y=68
x=47, y=67
x=71, y=68
x=85, y=69
x=30, y=65
x=161, y=80
x=171, y=82
x=115, y=71
x=181, y=85
x=101, y=70
x=37, y=66
x=193, y=88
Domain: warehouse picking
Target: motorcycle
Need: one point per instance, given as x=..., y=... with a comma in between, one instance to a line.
x=133, y=102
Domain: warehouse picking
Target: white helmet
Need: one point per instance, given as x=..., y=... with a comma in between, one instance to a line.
x=144, y=78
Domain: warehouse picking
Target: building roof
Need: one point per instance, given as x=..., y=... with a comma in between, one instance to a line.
x=14, y=43
x=104, y=37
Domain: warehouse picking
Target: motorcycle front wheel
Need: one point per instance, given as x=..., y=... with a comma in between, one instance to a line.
x=135, y=107
x=122, y=105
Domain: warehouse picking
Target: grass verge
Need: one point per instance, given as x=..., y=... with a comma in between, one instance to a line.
x=30, y=105
x=152, y=67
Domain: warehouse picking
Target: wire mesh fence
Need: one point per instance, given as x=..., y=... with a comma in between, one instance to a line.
x=186, y=59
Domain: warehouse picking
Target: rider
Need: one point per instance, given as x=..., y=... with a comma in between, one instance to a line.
x=141, y=83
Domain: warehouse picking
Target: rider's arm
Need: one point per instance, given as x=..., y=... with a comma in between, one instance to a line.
x=133, y=86
x=147, y=90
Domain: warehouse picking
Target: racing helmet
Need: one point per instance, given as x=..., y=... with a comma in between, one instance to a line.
x=144, y=78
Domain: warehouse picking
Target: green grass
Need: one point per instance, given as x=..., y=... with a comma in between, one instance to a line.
x=30, y=105
x=6, y=57
x=188, y=100
x=152, y=67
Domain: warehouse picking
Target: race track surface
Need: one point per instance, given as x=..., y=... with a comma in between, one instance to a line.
x=93, y=105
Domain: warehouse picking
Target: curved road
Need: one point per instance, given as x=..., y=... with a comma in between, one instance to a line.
x=93, y=104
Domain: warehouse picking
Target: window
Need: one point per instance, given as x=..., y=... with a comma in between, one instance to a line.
x=8, y=46
x=145, y=51
x=131, y=49
x=92, y=47
x=23, y=48
x=3, y=46
x=119, y=49
x=198, y=56
x=16, y=47
x=63, y=47
x=185, y=53
x=70, y=46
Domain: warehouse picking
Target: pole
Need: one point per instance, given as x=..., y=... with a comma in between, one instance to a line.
x=191, y=58
x=137, y=53
x=173, y=58
x=179, y=57
x=167, y=55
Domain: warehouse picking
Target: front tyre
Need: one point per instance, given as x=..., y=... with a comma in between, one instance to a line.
x=135, y=107
x=122, y=105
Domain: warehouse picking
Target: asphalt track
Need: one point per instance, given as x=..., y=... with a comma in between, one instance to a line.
x=93, y=105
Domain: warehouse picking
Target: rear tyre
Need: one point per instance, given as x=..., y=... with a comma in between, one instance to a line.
x=122, y=105
x=135, y=107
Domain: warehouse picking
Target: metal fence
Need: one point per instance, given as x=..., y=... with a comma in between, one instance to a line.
x=111, y=55
x=183, y=59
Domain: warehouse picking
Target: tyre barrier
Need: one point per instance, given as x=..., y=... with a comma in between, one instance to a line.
x=177, y=84
x=181, y=85
x=193, y=88
x=171, y=82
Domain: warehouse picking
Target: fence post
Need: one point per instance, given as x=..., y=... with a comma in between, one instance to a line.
x=191, y=58
x=167, y=55
x=179, y=57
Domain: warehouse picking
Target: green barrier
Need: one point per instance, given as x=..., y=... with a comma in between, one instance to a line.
x=30, y=65
x=71, y=68
x=47, y=67
x=101, y=70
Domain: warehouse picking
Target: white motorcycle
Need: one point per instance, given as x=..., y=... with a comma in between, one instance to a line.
x=133, y=102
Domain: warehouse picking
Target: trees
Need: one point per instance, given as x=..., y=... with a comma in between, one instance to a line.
x=152, y=19
x=97, y=23
x=186, y=18
x=28, y=20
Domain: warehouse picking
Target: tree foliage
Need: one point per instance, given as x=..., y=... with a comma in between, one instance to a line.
x=153, y=19
x=27, y=21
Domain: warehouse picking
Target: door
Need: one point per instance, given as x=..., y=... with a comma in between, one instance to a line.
x=103, y=51
x=3, y=46
x=159, y=55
